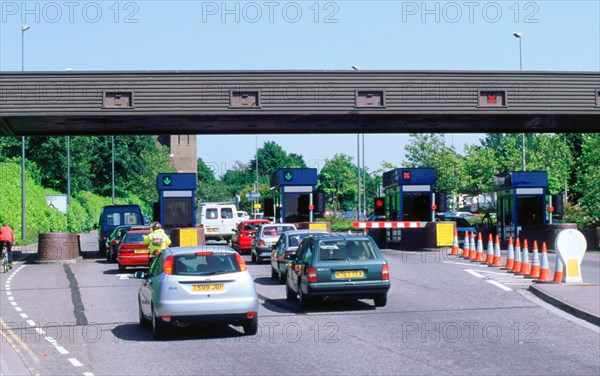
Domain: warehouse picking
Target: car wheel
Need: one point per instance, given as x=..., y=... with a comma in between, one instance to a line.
x=253, y=257
x=159, y=328
x=305, y=301
x=144, y=322
x=108, y=256
x=380, y=301
x=290, y=295
x=280, y=276
x=102, y=249
x=122, y=268
x=251, y=326
x=274, y=274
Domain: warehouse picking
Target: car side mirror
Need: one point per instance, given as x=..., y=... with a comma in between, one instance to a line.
x=140, y=275
x=290, y=257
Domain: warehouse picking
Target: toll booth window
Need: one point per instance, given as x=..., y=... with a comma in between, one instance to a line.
x=416, y=206
x=530, y=210
x=212, y=213
x=113, y=219
x=131, y=218
x=226, y=213
x=177, y=212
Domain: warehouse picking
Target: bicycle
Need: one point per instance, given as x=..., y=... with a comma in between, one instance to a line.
x=4, y=261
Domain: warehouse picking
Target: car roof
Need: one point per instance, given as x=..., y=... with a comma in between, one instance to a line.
x=141, y=231
x=305, y=231
x=344, y=237
x=257, y=221
x=201, y=248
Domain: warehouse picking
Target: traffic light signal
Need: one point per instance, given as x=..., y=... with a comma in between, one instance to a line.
x=379, y=205
x=557, y=202
x=268, y=207
x=319, y=200
x=440, y=200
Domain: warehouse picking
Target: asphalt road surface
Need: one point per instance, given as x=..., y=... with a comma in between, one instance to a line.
x=82, y=319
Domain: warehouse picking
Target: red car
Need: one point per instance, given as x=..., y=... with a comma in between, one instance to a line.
x=241, y=240
x=133, y=251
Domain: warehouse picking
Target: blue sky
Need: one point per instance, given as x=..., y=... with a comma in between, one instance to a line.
x=404, y=35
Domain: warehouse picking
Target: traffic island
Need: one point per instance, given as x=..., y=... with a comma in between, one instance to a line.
x=580, y=300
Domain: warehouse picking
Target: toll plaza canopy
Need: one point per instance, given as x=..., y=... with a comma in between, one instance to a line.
x=279, y=102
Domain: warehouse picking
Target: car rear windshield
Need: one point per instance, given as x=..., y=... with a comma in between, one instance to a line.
x=295, y=240
x=251, y=226
x=134, y=238
x=331, y=250
x=276, y=230
x=205, y=265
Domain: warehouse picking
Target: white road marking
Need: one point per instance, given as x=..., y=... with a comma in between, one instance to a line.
x=11, y=298
x=462, y=263
x=13, y=303
x=473, y=272
x=61, y=350
x=8, y=293
x=123, y=276
x=18, y=309
x=88, y=374
x=498, y=284
x=40, y=331
x=75, y=362
x=51, y=340
x=24, y=315
x=31, y=322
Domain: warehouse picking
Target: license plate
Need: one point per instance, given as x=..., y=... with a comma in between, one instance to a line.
x=208, y=287
x=212, y=230
x=140, y=251
x=349, y=274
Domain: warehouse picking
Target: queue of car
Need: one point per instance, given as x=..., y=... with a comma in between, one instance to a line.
x=211, y=284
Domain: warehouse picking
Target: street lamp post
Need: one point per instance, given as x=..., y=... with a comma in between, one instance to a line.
x=113, y=168
x=519, y=36
x=24, y=28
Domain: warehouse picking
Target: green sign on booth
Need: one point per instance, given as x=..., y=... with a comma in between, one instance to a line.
x=167, y=181
x=288, y=176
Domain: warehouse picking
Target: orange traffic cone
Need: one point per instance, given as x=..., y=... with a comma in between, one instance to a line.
x=510, y=261
x=517, y=264
x=497, y=253
x=455, y=244
x=544, y=267
x=466, y=250
x=489, y=256
x=558, y=270
x=525, y=265
x=535, y=262
x=479, y=253
x=472, y=250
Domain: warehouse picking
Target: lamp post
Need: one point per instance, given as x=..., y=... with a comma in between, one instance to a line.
x=113, y=167
x=519, y=36
x=24, y=28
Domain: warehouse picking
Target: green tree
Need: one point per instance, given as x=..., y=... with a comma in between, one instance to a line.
x=476, y=175
x=430, y=150
x=339, y=181
x=205, y=173
x=588, y=178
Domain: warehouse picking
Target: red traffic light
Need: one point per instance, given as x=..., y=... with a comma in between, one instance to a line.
x=433, y=207
x=311, y=207
x=551, y=209
x=379, y=203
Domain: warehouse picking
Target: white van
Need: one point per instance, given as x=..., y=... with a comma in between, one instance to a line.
x=218, y=219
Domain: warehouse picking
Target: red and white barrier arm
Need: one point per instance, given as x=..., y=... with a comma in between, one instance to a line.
x=391, y=224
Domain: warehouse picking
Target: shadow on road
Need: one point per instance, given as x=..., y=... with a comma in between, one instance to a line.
x=267, y=281
x=135, y=333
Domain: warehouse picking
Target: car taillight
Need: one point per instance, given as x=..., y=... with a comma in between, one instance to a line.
x=168, y=265
x=115, y=242
x=240, y=261
x=261, y=242
x=250, y=315
x=312, y=274
x=385, y=272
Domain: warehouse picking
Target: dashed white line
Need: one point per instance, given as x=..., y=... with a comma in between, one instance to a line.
x=8, y=293
x=498, y=284
x=40, y=331
x=88, y=374
x=61, y=350
x=18, y=309
x=11, y=298
x=31, y=322
x=13, y=303
x=75, y=362
x=24, y=315
x=474, y=273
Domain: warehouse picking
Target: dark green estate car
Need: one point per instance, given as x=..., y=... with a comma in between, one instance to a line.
x=338, y=266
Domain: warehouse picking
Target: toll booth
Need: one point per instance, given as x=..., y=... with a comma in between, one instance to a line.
x=176, y=199
x=409, y=194
x=521, y=197
x=293, y=194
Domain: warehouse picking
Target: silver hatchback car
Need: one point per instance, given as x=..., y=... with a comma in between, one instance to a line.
x=187, y=285
x=266, y=237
